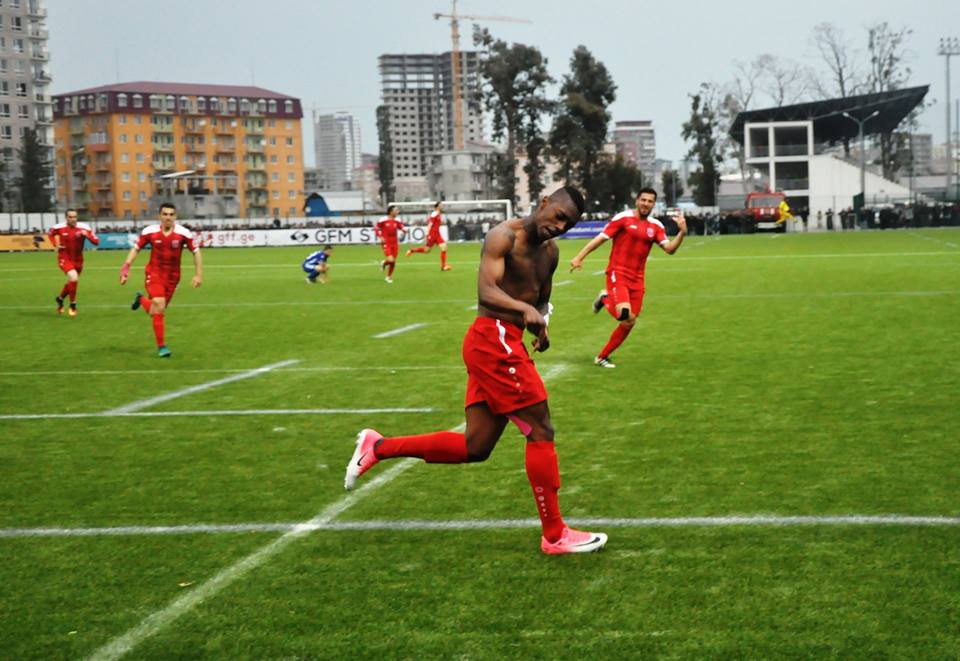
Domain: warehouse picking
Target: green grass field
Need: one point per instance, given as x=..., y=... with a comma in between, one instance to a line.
x=789, y=375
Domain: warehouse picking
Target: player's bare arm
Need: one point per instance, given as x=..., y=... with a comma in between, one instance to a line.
x=125, y=269
x=577, y=262
x=198, y=270
x=674, y=244
x=508, y=292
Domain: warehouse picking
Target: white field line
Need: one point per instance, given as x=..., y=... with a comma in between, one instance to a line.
x=764, y=520
x=332, y=368
x=398, y=331
x=563, y=283
x=594, y=273
x=159, y=399
x=180, y=414
x=155, y=622
x=717, y=295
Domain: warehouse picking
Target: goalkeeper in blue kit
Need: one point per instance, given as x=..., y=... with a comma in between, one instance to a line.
x=315, y=265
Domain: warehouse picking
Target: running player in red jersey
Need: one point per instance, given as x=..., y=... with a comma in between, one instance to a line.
x=386, y=230
x=633, y=234
x=434, y=238
x=167, y=241
x=513, y=292
x=68, y=239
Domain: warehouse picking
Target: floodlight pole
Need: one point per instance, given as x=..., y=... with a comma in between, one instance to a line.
x=948, y=46
x=863, y=153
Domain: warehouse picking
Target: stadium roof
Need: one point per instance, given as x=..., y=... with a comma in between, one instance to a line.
x=829, y=124
x=189, y=89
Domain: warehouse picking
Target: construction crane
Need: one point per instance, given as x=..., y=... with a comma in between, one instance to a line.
x=455, y=56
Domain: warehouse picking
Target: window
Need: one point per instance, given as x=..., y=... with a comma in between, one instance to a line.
x=137, y=101
x=201, y=104
x=273, y=142
x=16, y=23
x=214, y=104
x=121, y=119
x=139, y=158
x=276, y=195
x=137, y=119
x=156, y=102
x=124, y=157
x=3, y=66
x=184, y=104
x=126, y=196
x=272, y=123
x=171, y=103
x=288, y=106
x=292, y=194
x=122, y=139
x=288, y=125
x=274, y=176
x=244, y=106
x=138, y=139
x=18, y=46
x=289, y=142
x=261, y=106
x=24, y=112
x=273, y=158
x=4, y=109
x=272, y=105
x=232, y=106
x=292, y=177
x=22, y=91
x=141, y=177
x=4, y=87
x=6, y=133
x=290, y=160
x=142, y=196
x=19, y=66
x=125, y=177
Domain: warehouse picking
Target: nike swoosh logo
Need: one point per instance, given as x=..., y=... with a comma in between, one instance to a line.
x=360, y=460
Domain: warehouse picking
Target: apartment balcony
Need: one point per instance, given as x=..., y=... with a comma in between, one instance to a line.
x=40, y=55
x=162, y=146
x=162, y=127
x=36, y=11
x=253, y=147
x=39, y=33
x=257, y=210
x=42, y=77
x=225, y=147
x=163, y=162
x=104, y=185
x=258, y=200
x=255, y=164
x=102, y=166
x=255, y=128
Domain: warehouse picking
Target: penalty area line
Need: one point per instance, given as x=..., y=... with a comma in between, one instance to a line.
x=176, y=414
x=316, y=525
x=398, y=331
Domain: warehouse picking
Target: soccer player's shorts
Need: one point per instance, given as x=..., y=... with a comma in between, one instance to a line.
x=621, y=290
x=314, y=269
x=66, y=265
x=434, y=239
x=500, y=372
x=159, y=287
x=390, y=248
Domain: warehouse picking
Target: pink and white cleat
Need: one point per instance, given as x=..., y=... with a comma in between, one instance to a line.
x=363, y=458
x=574, y=541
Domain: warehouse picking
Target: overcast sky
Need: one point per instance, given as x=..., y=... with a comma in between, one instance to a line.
x=325, y=52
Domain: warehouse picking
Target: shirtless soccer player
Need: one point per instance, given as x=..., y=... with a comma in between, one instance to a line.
x=513, y=291
x=167, y=241
x=68, y=239
x=434, y=238
x=633, y=234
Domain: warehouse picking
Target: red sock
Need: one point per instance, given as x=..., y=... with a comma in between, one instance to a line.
x=146, y=304
x=65, y=290
x=390, y=266
x=617, y=337
x=158, y=328
x=72, y=291
x=544, y=476
x=420, y=249
x=443, y=258
x=441, y=447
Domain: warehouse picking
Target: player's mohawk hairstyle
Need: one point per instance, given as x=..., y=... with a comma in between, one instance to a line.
x=575, y=196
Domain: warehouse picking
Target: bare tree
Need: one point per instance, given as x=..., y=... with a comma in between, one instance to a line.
x=840, y=60
x=888, y=71
x=783, y=80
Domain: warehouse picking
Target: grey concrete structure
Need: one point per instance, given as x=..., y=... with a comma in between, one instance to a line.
x=462, y=175
x=337, y=148
x=636, y=143
x=25, y=101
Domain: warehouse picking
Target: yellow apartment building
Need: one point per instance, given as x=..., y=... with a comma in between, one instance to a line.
x=232, y=151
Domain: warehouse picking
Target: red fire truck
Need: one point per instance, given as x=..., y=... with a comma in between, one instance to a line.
x=764, y=209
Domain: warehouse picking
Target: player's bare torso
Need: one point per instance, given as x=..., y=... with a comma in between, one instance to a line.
x=528, y=268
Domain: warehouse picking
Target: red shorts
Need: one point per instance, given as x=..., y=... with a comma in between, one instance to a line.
x=434, y=239
x=66, y=265
x=621, y=290
x=390, y=249
x=499, y=369
x=159, y=287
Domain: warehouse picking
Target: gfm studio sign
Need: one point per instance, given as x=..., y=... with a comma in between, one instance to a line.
x=303, y=237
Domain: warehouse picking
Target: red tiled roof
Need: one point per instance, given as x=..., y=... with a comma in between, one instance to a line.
x=188, y=89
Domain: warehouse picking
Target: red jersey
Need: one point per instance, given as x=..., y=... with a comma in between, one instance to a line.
x=72, y=239
x=433, y=223
x=165, y=250
x=632, y=240
x=387, y=228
